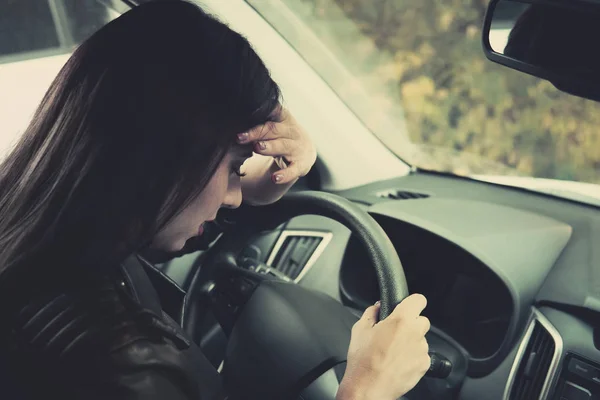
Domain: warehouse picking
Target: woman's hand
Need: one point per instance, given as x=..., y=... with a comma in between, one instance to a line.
x=387, y=359
x=284, y=139
x=284, y=153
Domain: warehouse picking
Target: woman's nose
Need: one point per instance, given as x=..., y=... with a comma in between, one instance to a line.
x=233, y=199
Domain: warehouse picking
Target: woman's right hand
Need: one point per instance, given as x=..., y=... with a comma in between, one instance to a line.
x=386, y=359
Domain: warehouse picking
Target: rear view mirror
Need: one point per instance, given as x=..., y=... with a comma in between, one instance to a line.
x=550, y=39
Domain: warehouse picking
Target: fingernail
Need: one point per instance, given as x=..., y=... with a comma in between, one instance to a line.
x=242, y=137
x=262, y=145
x=277, y=178
x=377, y=302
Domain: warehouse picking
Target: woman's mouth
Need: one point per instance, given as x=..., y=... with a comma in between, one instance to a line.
x=202, y=228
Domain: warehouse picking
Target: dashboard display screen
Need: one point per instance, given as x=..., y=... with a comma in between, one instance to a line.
x=465, y=299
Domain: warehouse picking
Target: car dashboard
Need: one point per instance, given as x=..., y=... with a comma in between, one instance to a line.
x=465, y=299
x=506, y=273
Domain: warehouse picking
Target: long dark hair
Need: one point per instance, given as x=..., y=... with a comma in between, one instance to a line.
x=129, y=132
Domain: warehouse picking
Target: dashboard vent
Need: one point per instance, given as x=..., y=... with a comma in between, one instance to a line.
x=533, y=372
x=396, y=194
x=295, y=252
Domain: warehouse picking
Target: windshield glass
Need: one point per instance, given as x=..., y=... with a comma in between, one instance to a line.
x=414, y=72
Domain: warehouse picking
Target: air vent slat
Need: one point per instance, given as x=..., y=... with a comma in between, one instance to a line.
x=287, y=263
x=283, y=254
x=294, y=254
x=547, y=351
x=522, y=390
x=292, y=262
x=309, y=247
x=534, y=365
x=398, y=194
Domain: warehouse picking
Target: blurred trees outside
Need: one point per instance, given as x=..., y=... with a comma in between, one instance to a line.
x=423, y=65
x=416, y=76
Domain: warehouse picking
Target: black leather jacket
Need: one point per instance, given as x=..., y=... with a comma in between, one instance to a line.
x=101, y=339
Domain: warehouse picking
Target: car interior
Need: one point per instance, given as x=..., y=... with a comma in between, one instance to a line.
x=510, y=265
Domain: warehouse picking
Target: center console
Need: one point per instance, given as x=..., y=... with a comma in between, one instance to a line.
x=579, y=379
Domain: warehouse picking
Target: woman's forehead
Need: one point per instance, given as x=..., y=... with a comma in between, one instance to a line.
x=241, y=150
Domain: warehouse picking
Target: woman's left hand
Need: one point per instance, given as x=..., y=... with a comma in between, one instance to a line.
x=285, y=140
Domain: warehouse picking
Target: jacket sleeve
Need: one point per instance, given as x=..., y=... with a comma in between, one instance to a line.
x=146, y=384
x=89, y=347
x=146, y=370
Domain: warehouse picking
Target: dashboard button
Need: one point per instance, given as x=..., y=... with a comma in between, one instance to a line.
x=572, y=391
x=583, y=369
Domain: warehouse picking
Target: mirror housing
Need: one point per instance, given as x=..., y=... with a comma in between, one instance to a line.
x=549, y=39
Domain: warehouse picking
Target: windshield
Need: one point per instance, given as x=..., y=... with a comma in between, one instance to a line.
x=414, y=72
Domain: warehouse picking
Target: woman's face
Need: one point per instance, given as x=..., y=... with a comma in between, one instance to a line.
x=223, y=190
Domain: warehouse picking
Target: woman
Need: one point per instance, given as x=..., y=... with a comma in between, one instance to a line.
x=139, y=141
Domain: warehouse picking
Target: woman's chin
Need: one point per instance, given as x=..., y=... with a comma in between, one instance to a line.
x=178, y=246
x=169, y=247
x=172, y=244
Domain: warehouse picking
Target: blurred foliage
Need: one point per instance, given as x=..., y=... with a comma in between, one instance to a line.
x=422, y=61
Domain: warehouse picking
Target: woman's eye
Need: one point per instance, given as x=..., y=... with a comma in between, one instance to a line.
x=238, y=171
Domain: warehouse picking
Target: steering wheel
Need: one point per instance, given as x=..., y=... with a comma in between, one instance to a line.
x=285, y=341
